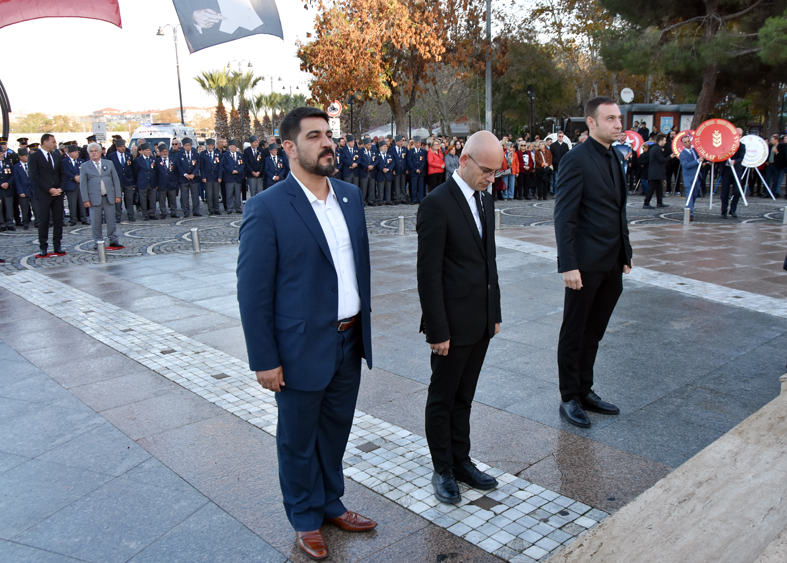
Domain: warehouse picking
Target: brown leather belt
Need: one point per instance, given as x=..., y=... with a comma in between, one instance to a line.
x=345, y=324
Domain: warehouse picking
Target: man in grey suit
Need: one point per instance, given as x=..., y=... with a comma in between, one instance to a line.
x=100, y=188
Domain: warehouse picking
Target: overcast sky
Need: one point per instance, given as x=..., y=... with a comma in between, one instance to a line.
x=73, y=65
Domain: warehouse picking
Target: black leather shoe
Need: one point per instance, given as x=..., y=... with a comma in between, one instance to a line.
x=445, y=488
x=662, y=205
x=593, y=403
x=646, y=206
x=469, y=474
x=572, y=412
x=734, y=215
x=59, y=251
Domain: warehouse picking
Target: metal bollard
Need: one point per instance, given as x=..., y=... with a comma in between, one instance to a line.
x=401, y=225
x=497, y=219
x=195, y=239
x=784, y=217
x=686, y=216
x=102, y=252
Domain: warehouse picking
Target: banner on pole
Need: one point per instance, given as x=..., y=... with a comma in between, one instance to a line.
x=757, y=150
x=207, y=23
x=16, y=11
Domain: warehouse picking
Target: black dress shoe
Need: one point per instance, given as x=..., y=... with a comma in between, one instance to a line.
x=593, y=403
x=445, y=488
x=662, y=205
x=572, y=412
x=470, y=475
x=11, y=228
x=59, y=251
x=72, y=223
x=41, y=253
x=198, y=215
x=734, y=215
x=647, y=206
x=145, y=218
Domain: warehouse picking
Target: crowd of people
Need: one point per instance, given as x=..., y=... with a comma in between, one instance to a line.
x=155, y=182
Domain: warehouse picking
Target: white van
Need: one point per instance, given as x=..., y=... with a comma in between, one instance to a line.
x=155, y=133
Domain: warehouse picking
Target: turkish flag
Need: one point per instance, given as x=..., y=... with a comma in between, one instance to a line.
x=15, y=11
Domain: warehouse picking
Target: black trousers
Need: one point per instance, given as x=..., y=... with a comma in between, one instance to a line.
x=448, y=403
x=728, y=183
x=586, y=313
x=657, y=187
x=48, y=206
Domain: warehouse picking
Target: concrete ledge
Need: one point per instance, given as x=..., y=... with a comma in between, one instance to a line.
x=726, y=504
x=783, y=379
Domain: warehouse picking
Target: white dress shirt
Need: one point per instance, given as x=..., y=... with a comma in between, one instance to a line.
x=334, y=226
x=468, y=192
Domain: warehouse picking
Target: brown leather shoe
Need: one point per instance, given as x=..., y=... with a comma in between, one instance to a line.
x=312, y=544
x=352, y=522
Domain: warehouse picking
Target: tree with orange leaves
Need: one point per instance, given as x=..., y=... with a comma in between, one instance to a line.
x=386, y=50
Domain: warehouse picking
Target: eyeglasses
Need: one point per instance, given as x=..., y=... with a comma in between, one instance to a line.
x=484, y=171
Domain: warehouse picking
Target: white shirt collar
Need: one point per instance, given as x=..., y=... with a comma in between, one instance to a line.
x=467, y=191
x=311, y=197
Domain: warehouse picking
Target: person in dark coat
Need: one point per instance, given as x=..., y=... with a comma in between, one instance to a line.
x=657, y=173
x=734, y=165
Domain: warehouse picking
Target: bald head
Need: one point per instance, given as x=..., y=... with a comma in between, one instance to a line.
x=740, y=131
x=484, y=143
x=481, y=157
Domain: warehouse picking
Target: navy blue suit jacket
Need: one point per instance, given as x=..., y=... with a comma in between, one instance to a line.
x=125, y=172
x=385, y=160
x=349, y=156
x=69, y=171
x=166, y=179
x=228, y=164
x=416, y=160
x=364, y=161
x=22, y=180
x=256, y=164
x=145, y=175
x=186, y=165
x=271, y=170
x=288, y=287
x=210, y=168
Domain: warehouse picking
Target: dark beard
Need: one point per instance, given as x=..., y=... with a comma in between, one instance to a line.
x=314, y=166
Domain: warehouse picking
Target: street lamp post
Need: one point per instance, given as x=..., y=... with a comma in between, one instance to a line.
x=160, y=32
x=351, y=102
x=240, y=109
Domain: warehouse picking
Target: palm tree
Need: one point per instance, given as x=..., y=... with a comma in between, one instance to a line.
x=245, y=83
x=299, y=100
x=215, y=83
x=256, y=105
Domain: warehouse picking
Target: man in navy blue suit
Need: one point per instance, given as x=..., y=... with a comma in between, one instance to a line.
x=187, y=168
x=124, y=167
x=304, y=291
x=416, y=165
x=210, y=171
x=275, y=169
x=70, y=184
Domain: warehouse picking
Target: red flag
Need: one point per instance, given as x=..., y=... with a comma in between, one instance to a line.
x=15, y=11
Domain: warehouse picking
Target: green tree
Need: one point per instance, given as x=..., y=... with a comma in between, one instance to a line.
x=215, y=83
x=32, y=123
x=701, y=44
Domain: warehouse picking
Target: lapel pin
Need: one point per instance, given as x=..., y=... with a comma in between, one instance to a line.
x=344, y=199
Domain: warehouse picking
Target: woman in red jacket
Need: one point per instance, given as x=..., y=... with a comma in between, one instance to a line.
x=435, y=166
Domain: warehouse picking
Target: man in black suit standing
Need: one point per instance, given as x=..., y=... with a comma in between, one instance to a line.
x=593, y=250
x=45, y=172
x=734, y=165
x=460, y=301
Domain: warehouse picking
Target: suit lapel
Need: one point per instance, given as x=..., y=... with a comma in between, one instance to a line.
x=302, y=206
x=603, y=168
x=456, y=191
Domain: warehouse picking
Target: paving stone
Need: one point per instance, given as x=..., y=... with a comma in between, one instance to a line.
x=209, y=535
x=114, y=522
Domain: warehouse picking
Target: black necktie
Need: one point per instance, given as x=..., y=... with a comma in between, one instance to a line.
x=480, y=207
x=49, y=160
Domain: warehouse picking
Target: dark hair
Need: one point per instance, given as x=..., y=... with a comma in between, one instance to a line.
x=290, y=126
x=46, y=136
x=660, y=137
x=591, y=108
